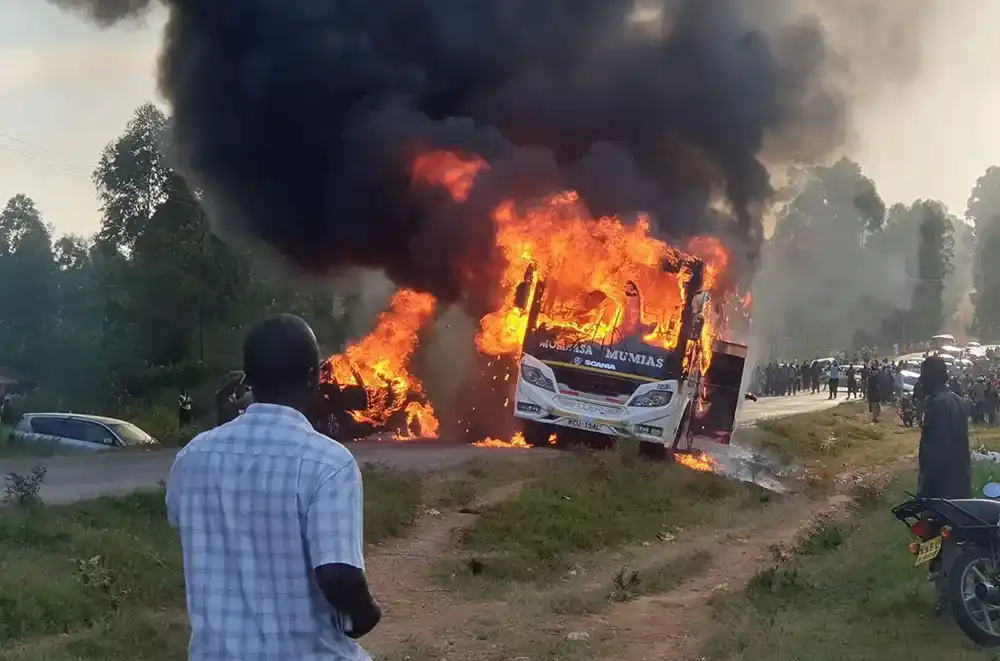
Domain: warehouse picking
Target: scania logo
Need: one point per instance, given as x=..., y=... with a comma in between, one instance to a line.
x=578, y=360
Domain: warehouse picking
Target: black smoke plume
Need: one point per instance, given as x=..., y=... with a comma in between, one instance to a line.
x=299, y=119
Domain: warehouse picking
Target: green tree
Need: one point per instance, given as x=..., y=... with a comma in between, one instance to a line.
x=984, y=213
x=132, y=177
x=935, y=262
x=819, y=259
x=27, y=286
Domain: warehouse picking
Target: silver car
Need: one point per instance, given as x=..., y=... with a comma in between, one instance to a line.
x=79, y=433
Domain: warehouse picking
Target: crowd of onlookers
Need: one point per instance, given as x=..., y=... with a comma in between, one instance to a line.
x=975, y=377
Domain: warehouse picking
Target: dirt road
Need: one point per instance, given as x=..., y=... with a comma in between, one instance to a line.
x=77, y=477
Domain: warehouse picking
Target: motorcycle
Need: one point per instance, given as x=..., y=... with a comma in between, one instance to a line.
x=959, y=541
x=907, y=410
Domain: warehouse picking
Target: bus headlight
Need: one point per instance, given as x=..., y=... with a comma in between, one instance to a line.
x=652, y=399
x=534, y=376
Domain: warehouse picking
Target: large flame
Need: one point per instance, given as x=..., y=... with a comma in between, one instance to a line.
x=381, y=362
x=589, y=263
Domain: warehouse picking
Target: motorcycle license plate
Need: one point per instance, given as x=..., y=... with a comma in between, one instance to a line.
x=928, y=551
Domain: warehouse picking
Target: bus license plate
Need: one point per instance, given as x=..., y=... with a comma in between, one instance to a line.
x=584, y=424
x=928, y=551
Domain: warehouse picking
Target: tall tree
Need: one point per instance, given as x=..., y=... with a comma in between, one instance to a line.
x=27, y=286
x=132, y=177
x=935, y=259
x=984, y=213
x=819, y=259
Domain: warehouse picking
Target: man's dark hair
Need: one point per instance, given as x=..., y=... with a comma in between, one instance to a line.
x=934, y=372
x=281, y=359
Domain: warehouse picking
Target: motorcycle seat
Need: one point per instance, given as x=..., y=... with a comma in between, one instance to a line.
x=981, y=508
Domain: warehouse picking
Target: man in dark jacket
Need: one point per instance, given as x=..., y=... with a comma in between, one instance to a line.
x=945, y=460
x=873, y=393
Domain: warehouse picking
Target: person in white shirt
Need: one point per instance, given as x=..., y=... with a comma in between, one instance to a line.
x=834, y=379
x=270, y=518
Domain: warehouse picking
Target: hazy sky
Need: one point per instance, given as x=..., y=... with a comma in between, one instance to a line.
x=68, y=90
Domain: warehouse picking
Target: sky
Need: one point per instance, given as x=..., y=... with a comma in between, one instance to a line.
x=68, y=89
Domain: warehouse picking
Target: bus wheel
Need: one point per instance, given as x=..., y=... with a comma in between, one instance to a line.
x=654, y=451
x=535, y=434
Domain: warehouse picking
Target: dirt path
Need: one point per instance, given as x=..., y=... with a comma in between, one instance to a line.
x=667, y=627
x=401, y=575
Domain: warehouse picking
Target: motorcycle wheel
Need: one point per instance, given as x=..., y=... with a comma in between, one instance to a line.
x=973, y=595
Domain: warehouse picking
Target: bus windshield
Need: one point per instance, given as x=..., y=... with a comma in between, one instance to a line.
x=609, y=333
x=610, y=319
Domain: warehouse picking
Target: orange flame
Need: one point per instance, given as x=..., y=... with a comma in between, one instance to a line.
x=381, y=360
x=516, y=441
x=594, y=266
x=699, y=461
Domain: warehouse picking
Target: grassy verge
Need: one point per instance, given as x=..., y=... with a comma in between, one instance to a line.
x=848, y=591
x=586, y=504
x=824, y=444
x=103, y=579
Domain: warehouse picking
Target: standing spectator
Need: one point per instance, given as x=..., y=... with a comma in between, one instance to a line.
x=944, y=458
x=184, y=409
x=873, y=393
x=852, y=382
x=270, y=519
x=834, y=379
x=992, y=402
x=978, y=394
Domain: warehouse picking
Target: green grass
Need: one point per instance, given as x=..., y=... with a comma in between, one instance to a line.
x=825, y=434
x=585, y=504
x=103, y=579
x=849, y=591
x=393, y=501
x=129, y=554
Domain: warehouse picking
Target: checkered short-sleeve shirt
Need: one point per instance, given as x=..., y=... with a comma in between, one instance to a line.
x=259, y=503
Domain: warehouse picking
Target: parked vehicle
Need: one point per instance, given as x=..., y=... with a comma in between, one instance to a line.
x=79, y=433
x=959, y=541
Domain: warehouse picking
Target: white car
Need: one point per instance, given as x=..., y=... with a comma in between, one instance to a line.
x=79, y=433
x=909, y=380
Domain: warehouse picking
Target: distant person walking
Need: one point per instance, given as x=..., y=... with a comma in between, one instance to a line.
x=834, y=379
x=270, y=518
x=184, y=409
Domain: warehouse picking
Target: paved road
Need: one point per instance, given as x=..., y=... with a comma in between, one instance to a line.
x=776, y=407
x=76, y=477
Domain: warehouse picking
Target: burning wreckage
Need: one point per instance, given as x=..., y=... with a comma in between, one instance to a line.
x=465, y=164
x=603, y=331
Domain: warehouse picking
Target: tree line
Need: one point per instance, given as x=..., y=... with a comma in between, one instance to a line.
x=154, y=302
x=843, y=270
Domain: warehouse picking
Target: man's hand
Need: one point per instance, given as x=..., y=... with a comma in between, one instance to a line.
x=357, y=630
x=346, y=589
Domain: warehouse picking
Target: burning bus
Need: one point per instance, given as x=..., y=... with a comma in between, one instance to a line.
x=597, y=327
x=634, y=368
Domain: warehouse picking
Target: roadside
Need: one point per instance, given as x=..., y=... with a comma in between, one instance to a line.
x=509, y=555
x=850, y=590
x=75, y=477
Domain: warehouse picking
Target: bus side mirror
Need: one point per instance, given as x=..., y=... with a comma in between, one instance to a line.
x=521, y=295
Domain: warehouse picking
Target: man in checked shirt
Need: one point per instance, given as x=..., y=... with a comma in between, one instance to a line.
x=270, y=518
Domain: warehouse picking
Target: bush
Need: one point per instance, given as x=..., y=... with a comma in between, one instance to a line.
x=160, y=421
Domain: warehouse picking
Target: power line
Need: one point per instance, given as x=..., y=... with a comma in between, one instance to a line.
x=23, y=142
x=25, y=154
